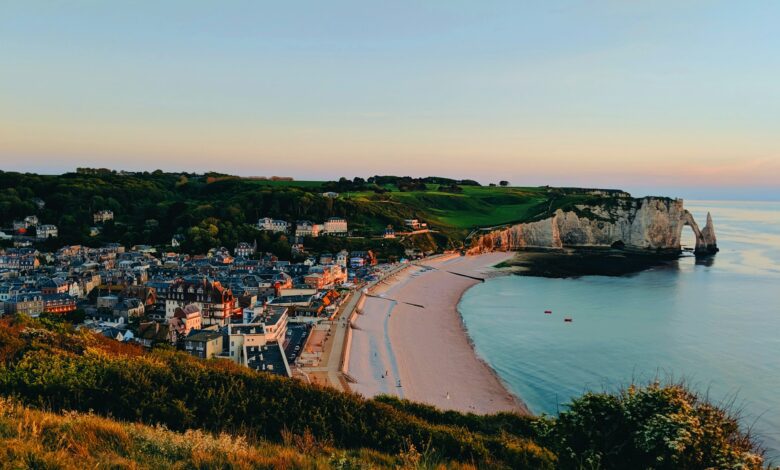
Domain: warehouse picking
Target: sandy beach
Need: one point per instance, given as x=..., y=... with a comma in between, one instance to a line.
x=409, y=340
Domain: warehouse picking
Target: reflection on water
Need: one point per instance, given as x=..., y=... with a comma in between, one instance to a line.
x=713, y=320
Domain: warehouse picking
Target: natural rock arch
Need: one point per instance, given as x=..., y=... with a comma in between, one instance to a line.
x=705, y=239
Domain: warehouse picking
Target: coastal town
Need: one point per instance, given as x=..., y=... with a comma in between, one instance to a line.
x=277, y=316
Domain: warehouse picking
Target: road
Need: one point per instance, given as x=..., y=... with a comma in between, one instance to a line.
x=334, y=353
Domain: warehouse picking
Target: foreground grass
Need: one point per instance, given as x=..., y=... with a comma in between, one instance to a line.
x=31, y=438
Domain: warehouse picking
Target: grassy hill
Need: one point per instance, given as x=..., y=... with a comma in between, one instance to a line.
x=218, y=415
x=209, y=210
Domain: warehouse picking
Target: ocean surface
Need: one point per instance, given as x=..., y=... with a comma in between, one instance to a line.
x=715, y=324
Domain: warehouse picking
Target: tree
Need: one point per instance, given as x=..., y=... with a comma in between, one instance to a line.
x=504, y=183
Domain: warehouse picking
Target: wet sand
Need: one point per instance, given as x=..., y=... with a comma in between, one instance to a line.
x=412, y=335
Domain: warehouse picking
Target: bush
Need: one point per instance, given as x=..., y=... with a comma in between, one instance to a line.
x=657, y=426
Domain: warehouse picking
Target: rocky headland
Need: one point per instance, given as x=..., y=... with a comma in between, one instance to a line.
x=649, y=225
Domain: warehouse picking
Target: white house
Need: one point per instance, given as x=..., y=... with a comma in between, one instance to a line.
x=305, y=228
x=272, y=225
x=335, y=226
x=46, y=231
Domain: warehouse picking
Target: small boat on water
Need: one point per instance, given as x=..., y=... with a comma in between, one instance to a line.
x=548, y=312
x=568, y=320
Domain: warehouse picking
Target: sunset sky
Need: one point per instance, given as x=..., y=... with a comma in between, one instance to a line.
x=679, y=97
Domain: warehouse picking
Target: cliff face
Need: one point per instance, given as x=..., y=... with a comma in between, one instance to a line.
x=653, y=224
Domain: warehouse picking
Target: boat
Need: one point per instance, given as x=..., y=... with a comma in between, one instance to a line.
x=568, y=320
x=548, y=312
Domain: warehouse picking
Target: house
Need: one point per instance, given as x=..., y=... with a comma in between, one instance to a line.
x=55, y=285
x=245, y=250
x=325, y=277
x=58, y=303
x=305, y=228
x=215, y=302
x=152, y=333
x=129, y=308
x=204, y=344
x=336, y=226
x=46, y=231
x=330, y=194
x=28, y=304
x=389, y=232
x=250, y=346
x=102, y=216
x=273, y=225
x=342, y=257
x=186, y=319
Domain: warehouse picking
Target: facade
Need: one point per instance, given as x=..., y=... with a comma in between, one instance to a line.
x=305, y=228
x=152, y=333
x=204, y=344
x=27, y=304
x=46, y=231
x=102, y=216
x=186, y=319
x=58, y=303
x=335, y=226
x=273, y=225
x=325, y=277
x=245, y=250
x=215, y=302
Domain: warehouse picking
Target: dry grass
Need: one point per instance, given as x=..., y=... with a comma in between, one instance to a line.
x=30, y=438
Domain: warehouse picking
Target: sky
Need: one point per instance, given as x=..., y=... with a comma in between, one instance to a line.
x=656, y=97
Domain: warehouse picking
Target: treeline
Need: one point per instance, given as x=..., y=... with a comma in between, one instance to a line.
x=204, y=210
x=47, y=364
x=383, y=184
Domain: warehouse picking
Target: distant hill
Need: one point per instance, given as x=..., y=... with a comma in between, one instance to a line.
x=212, y=209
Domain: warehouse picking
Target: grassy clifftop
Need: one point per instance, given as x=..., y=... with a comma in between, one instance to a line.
x=218, y=415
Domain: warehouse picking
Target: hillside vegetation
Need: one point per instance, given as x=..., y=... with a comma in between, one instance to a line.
x=209, y=210
x=244, y=416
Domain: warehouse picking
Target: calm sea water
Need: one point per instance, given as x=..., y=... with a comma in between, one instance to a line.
x=717, y=325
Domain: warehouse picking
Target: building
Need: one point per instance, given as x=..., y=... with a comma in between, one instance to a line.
x=250, y=346
x=204, y=344
x=273, y=225
x=245, y=250
x=152, y=333
x=186, y=319
x=55, y=285
x=305, y=228
x=46, y=231
x=102, y=216
x=389, y=232
x=215, y=302
x=335, y=226
x=28, y=304
x=325, y=277
x=58, y=303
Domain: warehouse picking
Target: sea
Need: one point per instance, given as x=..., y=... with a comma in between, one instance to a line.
x=714, y=323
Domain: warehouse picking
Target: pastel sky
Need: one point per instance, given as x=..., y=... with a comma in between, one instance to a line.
x=652, y=96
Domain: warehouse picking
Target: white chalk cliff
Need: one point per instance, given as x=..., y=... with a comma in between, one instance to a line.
x=650, y=223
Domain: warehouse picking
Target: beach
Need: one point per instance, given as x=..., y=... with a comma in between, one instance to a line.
x=408, y=339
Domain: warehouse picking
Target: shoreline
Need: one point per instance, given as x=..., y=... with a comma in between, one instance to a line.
x=409, y=339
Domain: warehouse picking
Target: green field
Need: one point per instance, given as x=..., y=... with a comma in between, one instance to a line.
x=475, y=207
